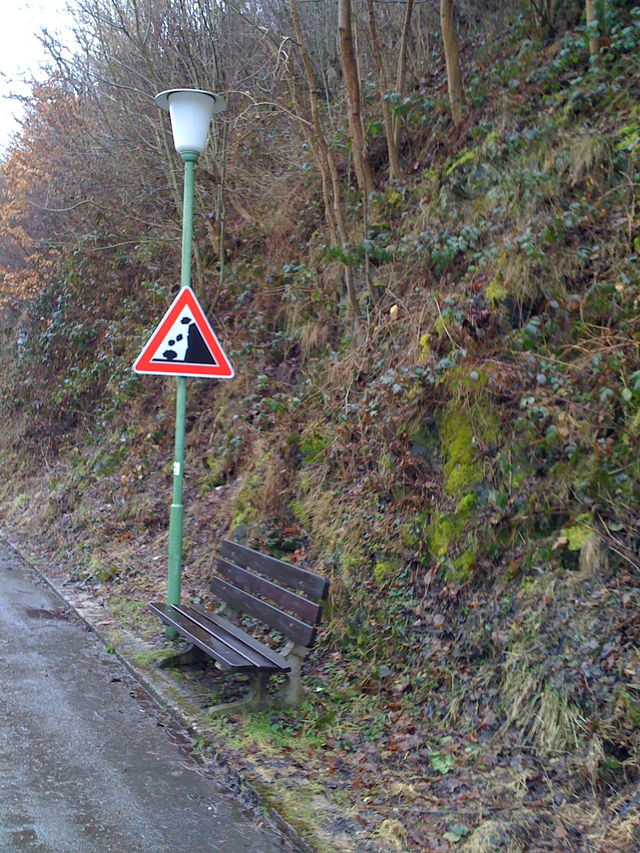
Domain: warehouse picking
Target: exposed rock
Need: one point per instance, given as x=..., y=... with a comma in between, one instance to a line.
x=492, y=837
x=393, y=833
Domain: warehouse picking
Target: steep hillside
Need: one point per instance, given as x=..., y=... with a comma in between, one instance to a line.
x=461, y=459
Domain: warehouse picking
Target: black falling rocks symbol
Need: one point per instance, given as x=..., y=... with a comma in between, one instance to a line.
x=197, y=351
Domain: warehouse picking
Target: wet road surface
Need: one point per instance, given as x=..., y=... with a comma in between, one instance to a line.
x=84, y=765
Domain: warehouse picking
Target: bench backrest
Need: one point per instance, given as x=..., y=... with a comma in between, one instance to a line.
x=278, y=594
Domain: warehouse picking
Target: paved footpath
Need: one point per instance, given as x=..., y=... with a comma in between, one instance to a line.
x=84, y=765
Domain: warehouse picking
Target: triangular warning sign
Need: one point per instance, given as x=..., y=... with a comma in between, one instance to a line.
x=184, y=344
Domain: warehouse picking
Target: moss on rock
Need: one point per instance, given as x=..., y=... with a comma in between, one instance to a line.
x=495, y=291
x=445, y=530
x=463, y=565
x=384, y=568
x=462, y=469
x=579, y=532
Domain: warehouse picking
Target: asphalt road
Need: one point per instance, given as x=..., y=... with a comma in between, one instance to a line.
x=84, y=765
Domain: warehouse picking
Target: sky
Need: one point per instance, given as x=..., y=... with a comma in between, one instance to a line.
x=21, y=54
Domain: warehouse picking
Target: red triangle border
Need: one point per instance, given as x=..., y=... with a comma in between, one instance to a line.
x=223, y=369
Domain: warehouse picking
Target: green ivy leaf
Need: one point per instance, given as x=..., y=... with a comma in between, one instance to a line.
x=456, y=833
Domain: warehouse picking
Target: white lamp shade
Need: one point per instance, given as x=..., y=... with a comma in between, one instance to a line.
x=190, y=111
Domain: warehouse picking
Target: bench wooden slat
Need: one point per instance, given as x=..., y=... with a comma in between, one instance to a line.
x=227, y=658
x=307, y=610
x=290, y=626
x=226, y=630
x=255, y=658
x=307, y=582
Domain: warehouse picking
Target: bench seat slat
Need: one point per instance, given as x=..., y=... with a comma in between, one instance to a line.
x=226, y=657
x=307, y=582
x=255, y=658
x=290, y=626
x=307, y=610
x=227, y=631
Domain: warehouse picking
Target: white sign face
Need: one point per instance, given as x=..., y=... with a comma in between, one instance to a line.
x=183, y=342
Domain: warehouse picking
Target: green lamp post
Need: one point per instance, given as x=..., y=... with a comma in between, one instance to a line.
x=191, y=111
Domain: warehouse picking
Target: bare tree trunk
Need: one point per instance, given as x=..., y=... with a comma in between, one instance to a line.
x=352, y=83
x=222, y=212
x=401, y=69
x=452, y=57
x=423, y=41
x=325, y=158
x=322, y=153
x=544, y=13
x=594, y=38
x=395, y=169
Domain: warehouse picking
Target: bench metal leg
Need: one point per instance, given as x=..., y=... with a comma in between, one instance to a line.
x=292, y=692
x=192, y=655
x=257, y=699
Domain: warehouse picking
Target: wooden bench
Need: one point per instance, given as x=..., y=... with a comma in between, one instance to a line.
x=279, y=595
